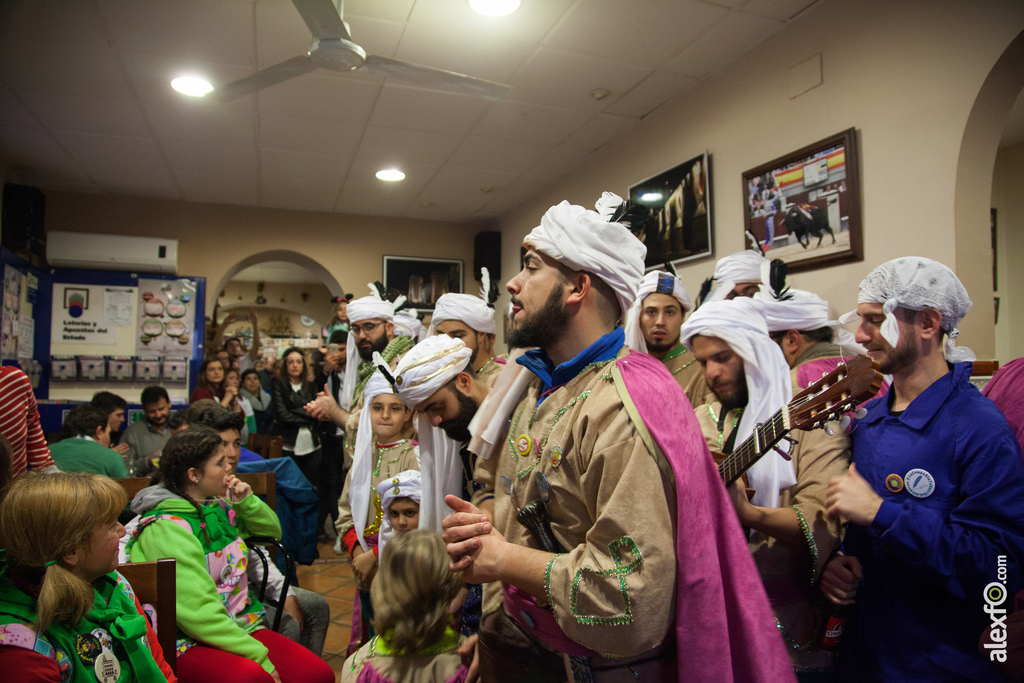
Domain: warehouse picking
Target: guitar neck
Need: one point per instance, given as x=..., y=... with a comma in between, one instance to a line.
x=765, y=436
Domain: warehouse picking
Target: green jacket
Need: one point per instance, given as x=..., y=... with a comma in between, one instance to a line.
x=83, y=455
x=215, y=604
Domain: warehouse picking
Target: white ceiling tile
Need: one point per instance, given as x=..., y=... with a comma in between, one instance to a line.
x=521, y=189
x=531, y=22
x=119, y=164
x=733, y=4
x=86, y=114
x=201, y=120
x=565, y=79
x=393, y=146
x=300, y=193
x=782, y=10
x=14, y=113
x=496, y=155
x=558, y=161
x=211, y=160
x=150, y=76
x=363, y=193
x=656, y=90
x=376, y=36
x=490, y=58
x=419, y=109
x=464, y=190
x=35, y=148
x=62, y=68
x=280, y=33
x=304, y=135
x=213, y=186
x=313, y=96
x=644, y=33
x=53, y=21
x=222, y=31
x=599, y=130
x=316, y=167
x=393, y=10
x=734, y=36
x=531, y=123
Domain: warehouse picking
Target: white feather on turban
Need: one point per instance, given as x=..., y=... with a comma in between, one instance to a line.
x=425, y=369
x=916, y=283
x=585, y=241
x=655, y=282
x=362, y=458
x=367, y=308
x=740, y=324
x=743, y=266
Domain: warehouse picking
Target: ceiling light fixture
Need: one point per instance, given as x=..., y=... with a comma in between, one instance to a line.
x=494, y=8
x=192, y=86
x=391, y=175
x=600, y=93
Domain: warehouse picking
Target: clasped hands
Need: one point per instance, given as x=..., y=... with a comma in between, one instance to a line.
x=475, y=547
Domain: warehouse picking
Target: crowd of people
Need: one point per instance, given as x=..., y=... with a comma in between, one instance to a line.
x=646, y=487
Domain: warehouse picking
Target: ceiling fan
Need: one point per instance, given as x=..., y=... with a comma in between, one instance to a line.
x=333, y=49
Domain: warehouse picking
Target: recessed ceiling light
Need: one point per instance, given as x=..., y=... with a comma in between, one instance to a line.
x=192, y=85
x=390, y=174
x=494, y=8
x=650, y=196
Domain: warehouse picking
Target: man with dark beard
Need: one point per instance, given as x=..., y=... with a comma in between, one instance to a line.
x=607, y=563
x=934, y=497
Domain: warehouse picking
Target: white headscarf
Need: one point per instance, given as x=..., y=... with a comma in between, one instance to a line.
x=362, y=458
x=743, y=266
x=408, y=325
x=803, y=312
x=367, y=308
x=916, y=283
x=426, y=368
x=655, y=282
x=407, y=484
x=740, y=324
x=585, y=241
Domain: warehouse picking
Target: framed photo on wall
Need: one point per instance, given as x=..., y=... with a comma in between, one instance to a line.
x=804, y=208
x=422, y=280
x=680, y=204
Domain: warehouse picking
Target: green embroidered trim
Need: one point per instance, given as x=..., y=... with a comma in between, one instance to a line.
x=721, y=432
x=790, y=641
x=675, y=353
x=621, y=571
x=486, y=367
x=379, y=646
x=547, y=577
x=812, y=546
x=677, y=371
x=395, y=347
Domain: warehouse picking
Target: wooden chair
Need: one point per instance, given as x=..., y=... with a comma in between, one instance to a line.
x=155, y=583
x=267, y=446
x=262, y=483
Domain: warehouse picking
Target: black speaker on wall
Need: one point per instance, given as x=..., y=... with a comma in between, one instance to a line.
x=487, y=254
x=22, y=225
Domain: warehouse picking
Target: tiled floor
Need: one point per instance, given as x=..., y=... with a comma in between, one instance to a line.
x=331, y=576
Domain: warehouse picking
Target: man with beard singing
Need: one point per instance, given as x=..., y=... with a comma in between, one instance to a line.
x=934, y=497
x=626, y=560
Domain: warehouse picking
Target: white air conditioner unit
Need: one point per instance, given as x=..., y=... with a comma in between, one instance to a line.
x=112, y=252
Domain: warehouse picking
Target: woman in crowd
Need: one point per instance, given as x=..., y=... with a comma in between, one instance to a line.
x=241, y=404
x=199, y=514
x=412, y=598
x=259, y=399
x=290, y=391
x=66, y=614
x=211, y=384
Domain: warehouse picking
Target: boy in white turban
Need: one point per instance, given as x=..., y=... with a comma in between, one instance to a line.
x=934, y=497
x=636, y=579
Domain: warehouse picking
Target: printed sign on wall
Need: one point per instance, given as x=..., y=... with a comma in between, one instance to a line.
x=79, y=316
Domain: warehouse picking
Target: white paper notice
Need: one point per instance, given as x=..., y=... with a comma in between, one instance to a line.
x=118, y=307
x=26, y=338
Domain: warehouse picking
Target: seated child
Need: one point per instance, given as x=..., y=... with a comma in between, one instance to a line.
x=380, y=454
x=400, y=502
x=411, y=597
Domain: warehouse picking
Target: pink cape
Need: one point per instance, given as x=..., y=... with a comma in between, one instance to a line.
x=1006, y=389
x=725, y=630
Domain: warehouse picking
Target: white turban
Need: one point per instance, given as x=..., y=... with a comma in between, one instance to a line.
x=362, y=458
x=585, y=241
x=655, y=282
x=408, y=325
x=740, y=324
x=426, y=368
x=806, y=311
x=405, y=484
x=743, y=266
x=916, y=283
x=466, y=308
x=367, y=308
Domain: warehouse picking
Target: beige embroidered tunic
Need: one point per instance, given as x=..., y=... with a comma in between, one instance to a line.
x=791, y=572
x=387, y=463
x=683, y=365
x=610, y=508
x=488, y=374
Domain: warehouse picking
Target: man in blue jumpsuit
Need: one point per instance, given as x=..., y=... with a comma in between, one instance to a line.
x=934, y=497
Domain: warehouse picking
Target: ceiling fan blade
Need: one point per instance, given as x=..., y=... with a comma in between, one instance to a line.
x=272, y=75
x=438, y=79
x=323, y=18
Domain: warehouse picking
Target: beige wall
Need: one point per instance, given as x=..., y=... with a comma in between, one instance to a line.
x=213, y=238
x=1008, y=200
x=905, y=74
x=241, y=296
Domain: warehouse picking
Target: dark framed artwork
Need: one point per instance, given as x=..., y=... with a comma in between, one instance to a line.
x=804, y=208
x=680, y=203
x=422, y=280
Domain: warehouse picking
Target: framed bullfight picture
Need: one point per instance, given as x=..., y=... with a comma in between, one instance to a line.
x=680, y=204
x=804, y=208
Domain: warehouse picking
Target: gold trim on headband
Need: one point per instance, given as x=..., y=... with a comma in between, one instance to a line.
x=428, y=359
x=437, y=372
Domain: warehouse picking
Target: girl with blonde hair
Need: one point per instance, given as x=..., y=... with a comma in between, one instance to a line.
x=411, y=596
x=65, y=612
